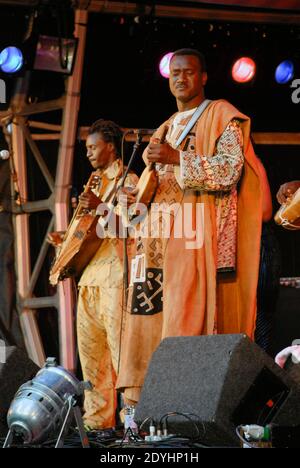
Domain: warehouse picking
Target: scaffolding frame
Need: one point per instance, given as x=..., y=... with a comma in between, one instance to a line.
x=17, y=129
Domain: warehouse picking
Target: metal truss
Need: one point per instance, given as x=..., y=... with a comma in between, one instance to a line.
x=17, y=127
x=191, y=10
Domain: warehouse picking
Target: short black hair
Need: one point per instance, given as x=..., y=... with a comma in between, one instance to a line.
x=110, y=132
x=194, y=52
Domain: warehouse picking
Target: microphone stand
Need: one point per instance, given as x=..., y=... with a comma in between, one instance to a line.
x=136, y=146
x=113, y=203
x=139, y=137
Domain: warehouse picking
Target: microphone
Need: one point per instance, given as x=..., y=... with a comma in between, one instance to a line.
x=4, y=154
x=144, y=131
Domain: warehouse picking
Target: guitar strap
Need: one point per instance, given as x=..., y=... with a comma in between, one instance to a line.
x=200, y=109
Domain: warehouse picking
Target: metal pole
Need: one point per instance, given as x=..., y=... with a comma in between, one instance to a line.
x=22, y=252
x=62, y=190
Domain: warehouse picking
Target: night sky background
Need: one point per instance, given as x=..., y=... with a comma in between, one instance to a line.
x=121, y=81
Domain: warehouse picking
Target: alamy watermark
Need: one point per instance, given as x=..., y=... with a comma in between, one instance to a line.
x=160, y=220
x=2, y=92
x=296, y=93
x=2, y=352
x=296, y=358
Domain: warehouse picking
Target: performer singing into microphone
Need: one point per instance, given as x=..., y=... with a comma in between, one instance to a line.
x=180, y=286
x=99, y=309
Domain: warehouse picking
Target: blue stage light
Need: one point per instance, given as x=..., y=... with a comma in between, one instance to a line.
x=284, y=72
x=11, y=59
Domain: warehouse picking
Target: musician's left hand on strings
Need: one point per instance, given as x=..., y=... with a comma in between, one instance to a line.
x=162, y=153
x=89, y=200
x=127, y=196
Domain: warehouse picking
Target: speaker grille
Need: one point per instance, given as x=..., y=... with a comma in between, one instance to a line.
x=224, y=380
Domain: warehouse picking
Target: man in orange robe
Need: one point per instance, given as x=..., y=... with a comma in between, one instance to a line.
x=201, y=283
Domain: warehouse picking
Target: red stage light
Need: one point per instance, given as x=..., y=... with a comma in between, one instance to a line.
x=243, y=70
x=164, y=65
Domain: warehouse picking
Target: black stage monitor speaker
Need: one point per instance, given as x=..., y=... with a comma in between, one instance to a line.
x=219, y=382
x=15, y=369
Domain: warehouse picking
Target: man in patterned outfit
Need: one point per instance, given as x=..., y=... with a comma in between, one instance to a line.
x=179, y=287
x=99, y=313
x=99, y=309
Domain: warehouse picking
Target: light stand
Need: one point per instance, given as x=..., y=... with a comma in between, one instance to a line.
x=73, y=411
x=43, y=408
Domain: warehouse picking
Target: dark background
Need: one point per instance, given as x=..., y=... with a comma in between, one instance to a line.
x=121, y=82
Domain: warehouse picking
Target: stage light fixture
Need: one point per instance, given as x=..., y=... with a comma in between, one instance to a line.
x=11, y=59
x=164, y=65
x=55, y=54
x=284, y=72
x=243, y=70
x=42, y=408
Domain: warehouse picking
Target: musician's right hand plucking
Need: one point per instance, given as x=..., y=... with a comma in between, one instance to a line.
x=89, y=200
x=127, y=196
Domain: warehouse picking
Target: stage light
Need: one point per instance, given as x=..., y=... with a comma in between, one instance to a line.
x=243, y=70
x=55, y=54
x=284, y=72
x=11, y=59
x=164, y=65
x=41, y=408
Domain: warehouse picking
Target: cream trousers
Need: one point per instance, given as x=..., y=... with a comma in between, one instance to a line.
x=99, y=316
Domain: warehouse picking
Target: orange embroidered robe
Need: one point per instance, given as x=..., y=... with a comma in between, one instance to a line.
x=195, y=302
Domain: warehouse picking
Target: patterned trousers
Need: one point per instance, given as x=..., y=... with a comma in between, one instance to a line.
x=99, y=316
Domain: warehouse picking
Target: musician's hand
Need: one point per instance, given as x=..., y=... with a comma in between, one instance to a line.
x=89, y=200
x=283, y=356
x=162, y=153
x=287, y=190
x=127, y=196
x=55, y=238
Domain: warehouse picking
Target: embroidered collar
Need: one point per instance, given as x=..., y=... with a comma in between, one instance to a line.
x=112, y=171
x=182, y=115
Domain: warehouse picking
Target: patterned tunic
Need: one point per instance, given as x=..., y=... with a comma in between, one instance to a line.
x=219, y=173
x=106, y=259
